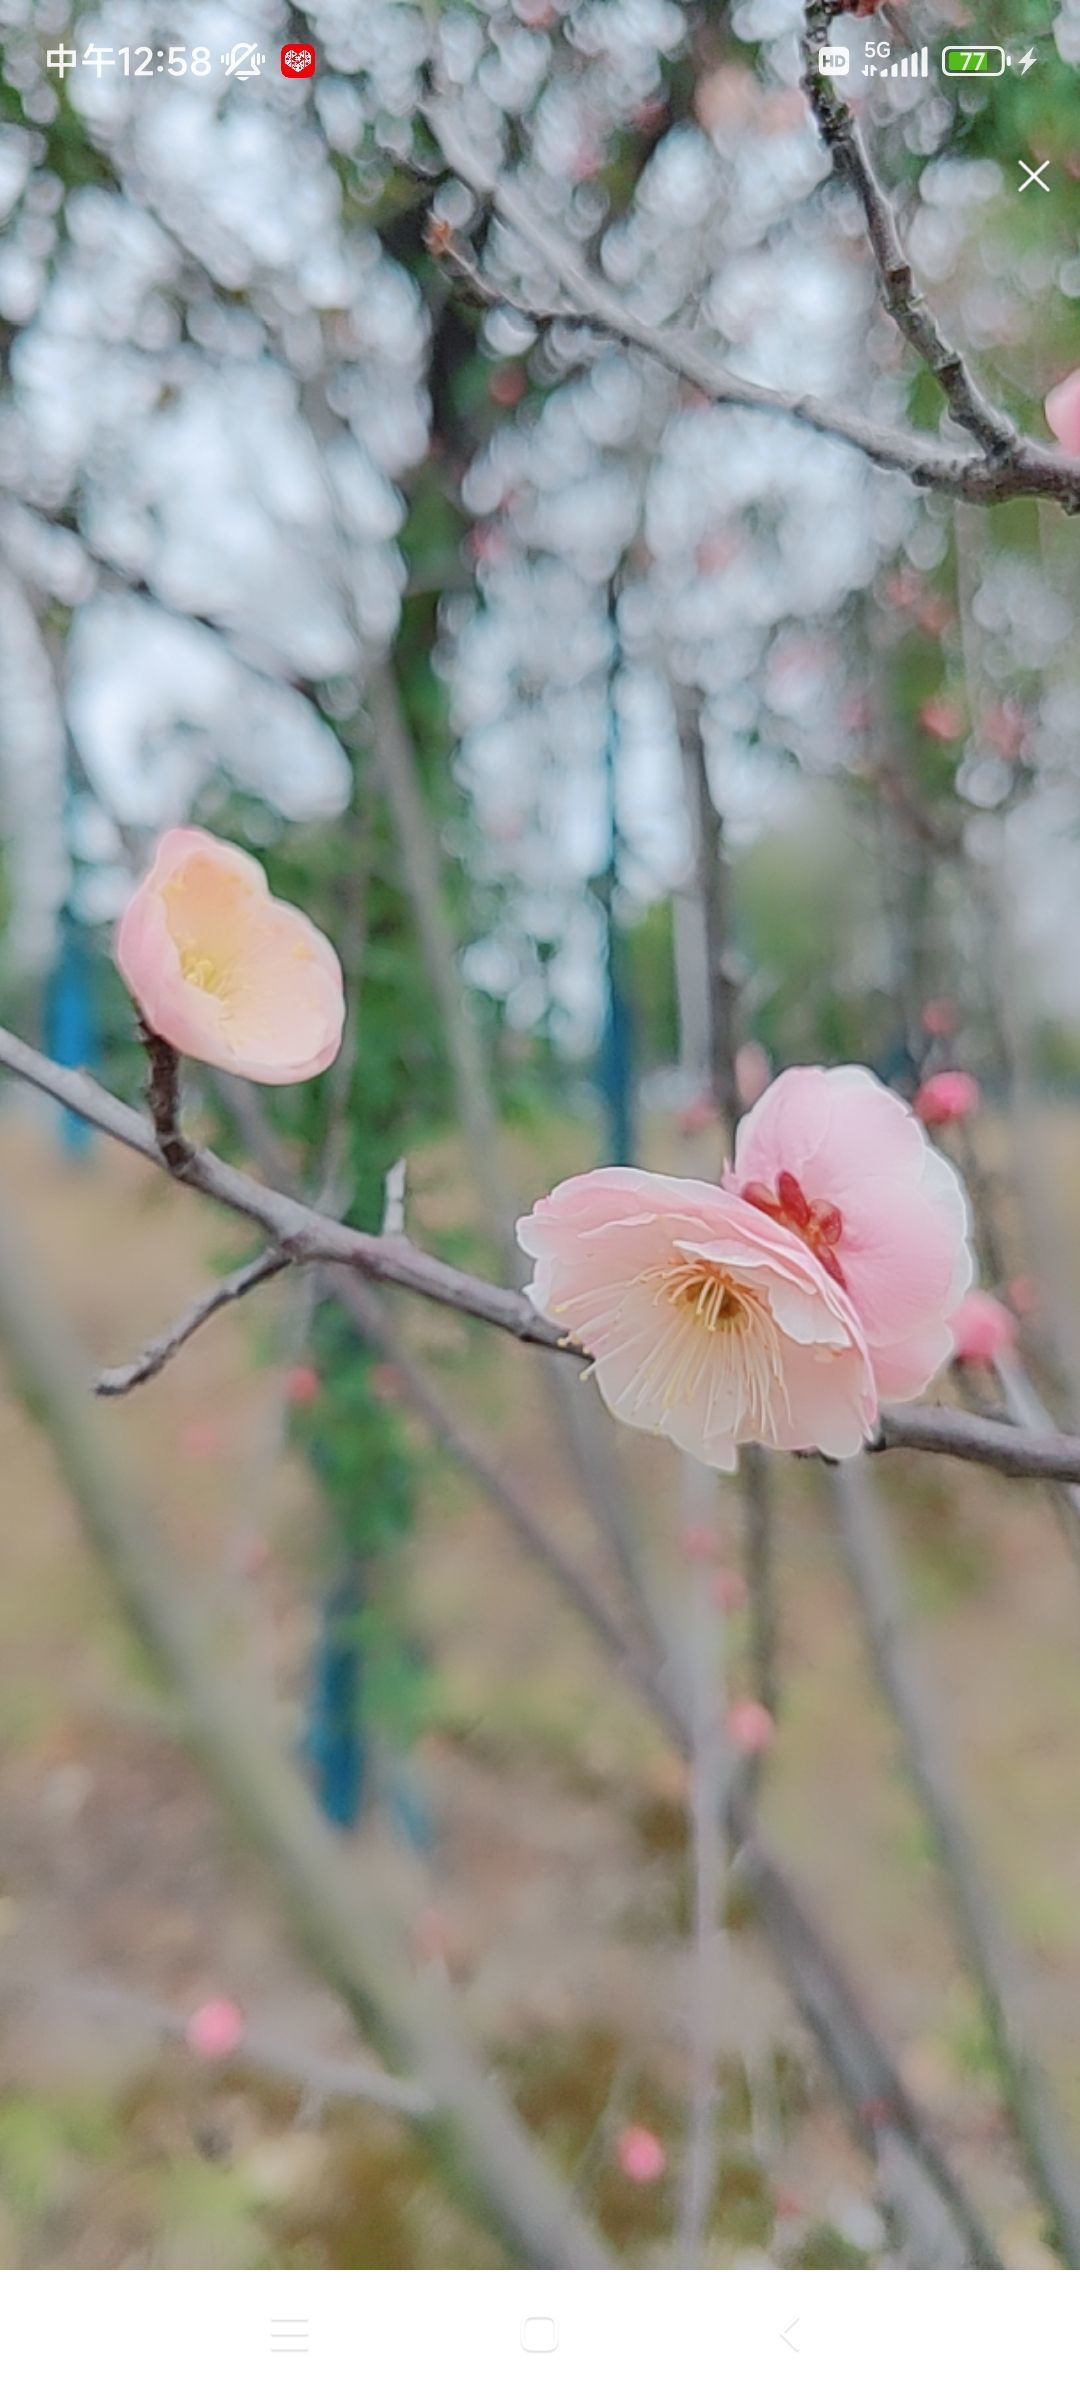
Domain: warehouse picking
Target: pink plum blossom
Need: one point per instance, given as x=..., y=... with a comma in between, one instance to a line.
x=750, y=1726
x=982, y=1327
x=215, y=2030
x=946, y=1098
x=832, y=1156
x=706, y=1319
x=302, y=1384
x=1062, y=407
x=225, y=972
x=641, y=2154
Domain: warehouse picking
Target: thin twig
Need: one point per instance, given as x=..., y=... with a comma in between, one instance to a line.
x=996, y=1972
x=114, y=1381
x=318, y=2078
x=1027, y=467
x=163, y=1099
x=997, y=437
x=710, y=1767
x=579, y=1420
x=305, y=1235
x=756, y=1478
x=336, y=1914
x=935, y=2220
x=712, y=879
x=1009, y=1449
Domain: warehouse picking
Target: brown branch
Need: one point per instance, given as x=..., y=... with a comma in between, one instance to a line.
x=985, y=1441
x=163, y=1099
x=914, y=2179
x=883, y=2112
x=981, y=476
x=318, y=2078
x=580, y=1423
x=304, y=1235
x=996, y=1972
x=335, y=1912
x=712, y=880
x=114, y=1381
x=968, y=406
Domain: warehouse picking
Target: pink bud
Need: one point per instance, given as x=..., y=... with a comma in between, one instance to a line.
x=750, y=1726
x=200, y=1439
x=508, y=385
x=698, y=1114
x=945, y=1098
x=981, y=1328
x=641, y=2154
x=215, y=2030
x=940, y=1018
x=1025, y=1295
x=1004, y=727
x=728, y=1592
x=753, y=1072
x=385, y=1381
x=302, y=1386
x=697, y=1544
x=1062, y=407
x=943, y=718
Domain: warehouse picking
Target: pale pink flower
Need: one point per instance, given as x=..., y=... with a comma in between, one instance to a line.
x=750, y=1726
x=641, y=2154
x=832, y=1155
x=946, y=1098
x=302, y=1384
x=706, y=1320
x=215, y=2030
x=223, y=971
x=982, y=1327
x=1062, y=407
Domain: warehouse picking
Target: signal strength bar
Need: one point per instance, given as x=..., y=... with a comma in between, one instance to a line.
x=917, y=62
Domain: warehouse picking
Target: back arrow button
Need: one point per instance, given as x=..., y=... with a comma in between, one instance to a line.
x=787, y=2334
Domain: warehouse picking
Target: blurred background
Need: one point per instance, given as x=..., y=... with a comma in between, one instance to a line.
x=310, y=536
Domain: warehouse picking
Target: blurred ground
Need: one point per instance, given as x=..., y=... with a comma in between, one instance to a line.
x=555, y=1898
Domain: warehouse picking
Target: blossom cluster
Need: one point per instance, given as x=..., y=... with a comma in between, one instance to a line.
x=783, y=1305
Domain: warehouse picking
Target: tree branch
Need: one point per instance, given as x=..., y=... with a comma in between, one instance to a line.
x=884, y=2115
x=982, y=476
x=304, y=1235
x=163, y=1099
x=317, y=2078
x=994, y=1969
x=337, y=1916
x=996, y=435
x=985, y=1441
x=114, y=1381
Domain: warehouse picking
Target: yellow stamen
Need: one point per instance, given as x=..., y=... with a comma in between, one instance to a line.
x=207, y=974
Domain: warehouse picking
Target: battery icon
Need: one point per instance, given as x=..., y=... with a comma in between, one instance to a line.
x=989, y=60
